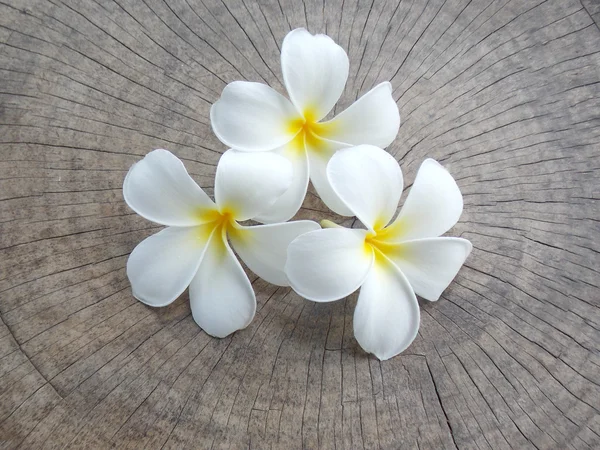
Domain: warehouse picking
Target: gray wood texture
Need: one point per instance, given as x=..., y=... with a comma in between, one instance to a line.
x=505, y=93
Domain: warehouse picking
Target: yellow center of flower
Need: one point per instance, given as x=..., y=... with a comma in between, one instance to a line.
x=384, y=241
x=376, y=246
x=217, y=221
x=308, y=132
x=378, y=242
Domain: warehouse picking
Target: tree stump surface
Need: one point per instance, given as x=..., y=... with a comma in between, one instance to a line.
x=504, y=93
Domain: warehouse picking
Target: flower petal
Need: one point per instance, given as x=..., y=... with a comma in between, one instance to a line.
x=247, y=184
x=320, y=152
x=433, y=206
x=372, y=119
x=386, y=318
x=369, y=181
x=264, y=247
x=253, y=117
x=159, y=189
x=315, y=70
x=290, y=202
x=431, y=264
x=162, y=266
x=221, y=296
x=326, y=265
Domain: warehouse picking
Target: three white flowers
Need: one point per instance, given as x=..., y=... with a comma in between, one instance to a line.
x=280, y=144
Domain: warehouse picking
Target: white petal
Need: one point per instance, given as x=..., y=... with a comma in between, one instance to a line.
x=247, y=184
x=264, y=247
x=162, y=266
x=326, y=265
x=290, y=202
x=373, y=119
x=431, y=264
x=221, y=296
x=318, y=156
x=369, y=181
x=159, y=189
x=433, y=206
x=253, y=117
x=315, y=70
x=386, y=318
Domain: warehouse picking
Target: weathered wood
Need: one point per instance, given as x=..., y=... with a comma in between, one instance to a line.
x=506, y=93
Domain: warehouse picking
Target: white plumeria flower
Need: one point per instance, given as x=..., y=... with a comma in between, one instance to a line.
x=193, y=251
x=391, y=262
x=255, y=117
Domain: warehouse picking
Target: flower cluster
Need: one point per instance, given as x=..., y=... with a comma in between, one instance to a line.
x=277, y=145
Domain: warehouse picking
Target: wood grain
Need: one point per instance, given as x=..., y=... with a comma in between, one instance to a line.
x=505, y=93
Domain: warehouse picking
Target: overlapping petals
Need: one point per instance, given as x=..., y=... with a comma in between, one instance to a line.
x=221, y=296
x=162, y=266
x=254, y=117
x=373, y=202
x=289, y=203
x=194, y=251
x=386, y=317
x=263, y=248
x=330, y=264
x=392, y=262
x=318, y=157
x=246, y=185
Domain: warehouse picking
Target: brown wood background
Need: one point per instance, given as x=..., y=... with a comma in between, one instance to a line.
x=505, y=93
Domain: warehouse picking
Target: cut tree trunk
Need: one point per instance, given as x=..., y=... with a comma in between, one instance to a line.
x=504, y=93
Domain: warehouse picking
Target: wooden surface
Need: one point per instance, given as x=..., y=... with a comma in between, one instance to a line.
x=505, y=93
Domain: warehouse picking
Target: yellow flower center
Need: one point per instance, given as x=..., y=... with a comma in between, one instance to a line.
x=308, y=132
x=375, y=243
x=378, y=242
x=222, y=221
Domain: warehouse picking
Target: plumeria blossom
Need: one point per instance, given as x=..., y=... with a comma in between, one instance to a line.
x=254, y=117
x=390, y=262
x=193, y=250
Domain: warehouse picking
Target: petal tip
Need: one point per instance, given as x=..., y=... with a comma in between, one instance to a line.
x=469, y=246
x=388, y=85
x=433, y=162
x=141, y=299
